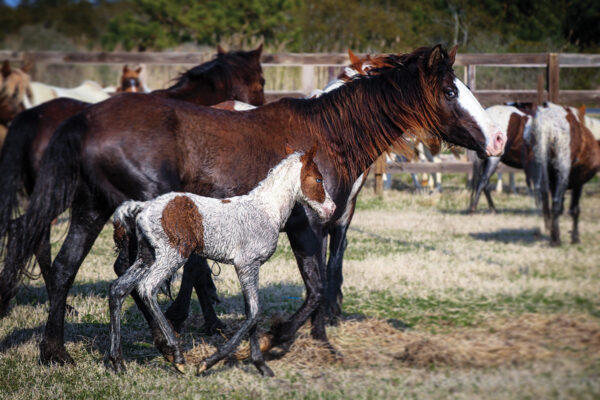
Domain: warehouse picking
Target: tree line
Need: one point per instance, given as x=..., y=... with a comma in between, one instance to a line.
x=302, y=25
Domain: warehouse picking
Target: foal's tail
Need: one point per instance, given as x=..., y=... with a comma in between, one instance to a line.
x=13, y=160
x=124, y=223
x=54, y=189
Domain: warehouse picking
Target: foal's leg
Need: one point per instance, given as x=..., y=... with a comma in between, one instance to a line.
x=574, y=211
x=248, y=276
x=165, y=264
x=335, y=278
x=119, y=289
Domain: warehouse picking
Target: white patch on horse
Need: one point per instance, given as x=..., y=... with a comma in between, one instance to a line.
x=470, y=104
x=345, y=218
x=241, y=106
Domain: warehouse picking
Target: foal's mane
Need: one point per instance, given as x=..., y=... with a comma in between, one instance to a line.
x=360, y=120
x=220, y=70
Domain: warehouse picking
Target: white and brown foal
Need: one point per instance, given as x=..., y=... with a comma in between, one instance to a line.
x=241, y=230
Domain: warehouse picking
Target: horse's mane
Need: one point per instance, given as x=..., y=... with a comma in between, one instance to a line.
x=362, y=118
x=219, y=71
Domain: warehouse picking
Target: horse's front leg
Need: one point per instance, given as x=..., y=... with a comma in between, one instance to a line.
x=196, y=274
x=335, y=278
x=307, y=244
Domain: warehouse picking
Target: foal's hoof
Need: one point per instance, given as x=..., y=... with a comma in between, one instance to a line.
x=555, y=243
x=54, y=354
x=179, y=367
x=264, y=369
x=575, y=240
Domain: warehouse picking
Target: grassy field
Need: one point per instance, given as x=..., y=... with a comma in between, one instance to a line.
x=438, y=304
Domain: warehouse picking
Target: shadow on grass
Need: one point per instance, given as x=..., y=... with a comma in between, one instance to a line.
x=524, y=236
x=484, y=211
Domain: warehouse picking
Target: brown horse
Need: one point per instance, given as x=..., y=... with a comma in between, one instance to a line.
x=14, y=87
x=139, y=146
x=130, y=80
x=236, y=74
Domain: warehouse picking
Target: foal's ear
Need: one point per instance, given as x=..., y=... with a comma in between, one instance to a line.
x=452, y=54
x=352, y=57
x=138, y=70
x=125, y=68
x=288, y=149
x=220, y=50
x=258, y=51
x=581, y=111
x=6, y=68
x=436, y=56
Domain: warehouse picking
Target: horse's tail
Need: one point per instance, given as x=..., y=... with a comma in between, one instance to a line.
x=124, y=223
x=53, y=193
x=540, y=144
x=13, y=159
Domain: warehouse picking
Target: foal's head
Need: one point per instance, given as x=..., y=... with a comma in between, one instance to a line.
x=130, y=80
x=460, y=118
x=312, y=189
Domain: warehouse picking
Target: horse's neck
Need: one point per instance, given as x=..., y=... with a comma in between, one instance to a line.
x=278, y=192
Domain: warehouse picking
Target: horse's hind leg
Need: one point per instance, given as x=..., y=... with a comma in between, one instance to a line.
x=558, y=197
x=574, y=211
x=119, y=289
x=86, y=224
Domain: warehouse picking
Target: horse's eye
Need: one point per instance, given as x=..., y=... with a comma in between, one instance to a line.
x=451, y=93
x=319, y=180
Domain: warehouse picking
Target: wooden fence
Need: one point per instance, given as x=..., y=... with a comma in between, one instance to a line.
x=548, y=88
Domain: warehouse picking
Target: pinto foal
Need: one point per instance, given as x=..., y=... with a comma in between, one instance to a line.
x=241, y=230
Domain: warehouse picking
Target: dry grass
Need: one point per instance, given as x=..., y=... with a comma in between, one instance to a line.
x=437, y=304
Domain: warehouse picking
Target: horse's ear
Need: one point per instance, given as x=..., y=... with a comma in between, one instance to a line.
x=310, y=154
x=353, y=58
x=138, y=70
x=452, y=54
x=125, y=68
x=435, y=56
x=6, y=68
x=258, y=51
x=581, y=111
x=288, y=149
x=220, y=50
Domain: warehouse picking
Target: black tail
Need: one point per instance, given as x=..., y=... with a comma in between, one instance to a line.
x=53, y=193
x=13, y=159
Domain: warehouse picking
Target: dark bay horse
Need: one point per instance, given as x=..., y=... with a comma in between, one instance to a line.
x=231, y=75
x=137, y=147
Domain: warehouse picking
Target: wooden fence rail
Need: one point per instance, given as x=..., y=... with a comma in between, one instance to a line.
x=552, y=62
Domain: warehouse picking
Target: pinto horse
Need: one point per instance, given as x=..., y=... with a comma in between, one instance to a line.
x=139, y=146
x=235, y=74
x=517, y=153
x=566, y=157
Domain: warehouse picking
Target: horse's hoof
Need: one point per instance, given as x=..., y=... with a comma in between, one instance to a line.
x=180, y=367
x=118, y=365
x=54, y=354
x=575, y=240
x=555, y=243
x=215, y=327
x=201, y=368
x=264, y=369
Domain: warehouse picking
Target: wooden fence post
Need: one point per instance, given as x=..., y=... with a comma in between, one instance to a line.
x=540, y=89
x=553, y=77
x=471, y=77
x=379, y=171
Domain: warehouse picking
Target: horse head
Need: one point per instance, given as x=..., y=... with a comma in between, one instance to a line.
x=130, y=80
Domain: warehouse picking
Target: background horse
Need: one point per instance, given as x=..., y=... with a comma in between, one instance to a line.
x=95, y=162
x=566, y=157
x=14, y=87
x=236, y=74
x=517, y=153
